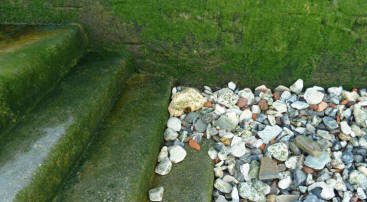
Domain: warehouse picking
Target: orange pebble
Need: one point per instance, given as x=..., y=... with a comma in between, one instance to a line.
x=254, y=116
x=208, y=104
x=193, y=144
x=332, y=105
x=262, y=147
x=344, y=102
x=338, y=119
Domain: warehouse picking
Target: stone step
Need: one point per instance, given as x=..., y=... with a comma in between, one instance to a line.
x=120, y=164
x=40, y=152
x=33, y=59
x=191, y=179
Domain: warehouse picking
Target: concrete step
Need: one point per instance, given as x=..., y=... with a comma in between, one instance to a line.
x=33, y=59
x=39, y=153
x=190, y=180
x=121, y=161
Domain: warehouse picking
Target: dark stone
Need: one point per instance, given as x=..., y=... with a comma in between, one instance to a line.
x=299, y=176
x=347, y=157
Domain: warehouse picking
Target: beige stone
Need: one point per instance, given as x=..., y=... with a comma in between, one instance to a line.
x=189, y=98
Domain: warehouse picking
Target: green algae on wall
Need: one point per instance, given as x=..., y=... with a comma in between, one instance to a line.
x=31, y=66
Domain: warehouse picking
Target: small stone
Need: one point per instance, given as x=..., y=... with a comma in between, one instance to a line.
x=322, y=106
x=269, y=133
x=280, y=106
x=234, y=195
x=361, y=194
x=344, y=137
x=242, y=102
x=164, y=167
x=156, y=194
x=174, y=123
x=297, y=86
x=285, y=183
x=271, y=198
x=360, y=115
x=247, y=94
x=255, y=109
x=299, y=105
x=287, y=198
x=319, y=162
x=239, y=149
x=163, y=154
x=193, y=144
x=357, y=130
x=225, y=141
x=254, y=190
x=226, y=97
x=213, y=154
x=170, y=134
x=263, y=104
x=208, y=104
x=245, y=169
x=330, y=123
x=279, y=151
x=254, y=170
x=327, y=191
x=218, y=172
x=350, y=96
x=336, y=91
x=246, y=115
x=313, y=96
x=291, y=163
x=308, y=170
x=299, y=176
x=271, y=120
x=177, y=153
x=346, y=129
x=222, y=186
x=188, y=98
x=268, y=169
x=231, y=85
x=363, y=170
x=200, y=126
x=308, y=145
x=227, y=121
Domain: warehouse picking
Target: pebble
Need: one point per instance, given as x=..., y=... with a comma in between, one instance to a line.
x=174, y=123
x=287, y=198
x=232, y=85
x=254, y=190
x=317, y=162
x=279, y=151
x=164, y=167
x=176, y=153
x=163, y=153
x=170, y=134
x=313, y=96
x=193, y=144
x=285, y=183
x=299, y=176
x=213, y=154
x=239, y=149
x=268, y=169
x=346, y=129
x=222, y=186
x=299, y=105
x=291, y=163
x=227, y=121
x=226, y=97
x=269, y=133
x=330, y=123
x=247, y=94
x=280, y=106
x=156, y=194
x=308, y=145
x=297, y=86
x=188, y=98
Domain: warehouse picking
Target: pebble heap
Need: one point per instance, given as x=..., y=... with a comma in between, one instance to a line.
x=280, y=145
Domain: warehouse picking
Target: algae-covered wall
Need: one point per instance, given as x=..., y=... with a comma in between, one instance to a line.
x=213, y=41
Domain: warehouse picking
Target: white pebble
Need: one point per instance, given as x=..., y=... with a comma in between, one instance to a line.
x=231, y=85
x=174, y=123
x=285, y=183
x=177, y=153
x=156, y=194
x=297, y=86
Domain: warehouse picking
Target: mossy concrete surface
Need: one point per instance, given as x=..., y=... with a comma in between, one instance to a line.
x=39, y=153
x=190, y=180
x=121, y=160
x=33, y=61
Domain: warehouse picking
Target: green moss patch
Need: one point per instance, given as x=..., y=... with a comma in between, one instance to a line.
x=121, y=161
x=32, y=64
x=191, y=179
x=38, y=154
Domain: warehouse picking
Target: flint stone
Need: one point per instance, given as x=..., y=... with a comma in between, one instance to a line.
x=319, y=162
x=170, y=134
x=188, y=98
x=287, y=198
x=268, y=169
x=280, y=106
x=308, y=145
x=239, y=149
x=200, y=126
x=299, y=105
x=269, y=133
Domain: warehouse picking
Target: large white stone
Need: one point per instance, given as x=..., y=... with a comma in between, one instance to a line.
x=280, y=106
x=177, y=153
x=313, y=96
x=279, y=151
x=246, y=115
x=156, y=194
x=297, y=86
x=285, y=183
x=247, y=93
x=232, y=85
x=174, y=123
x=346, y=129
x=269, y=133
x=239, y=149
x=170, y=134
x=226, y=97
x=163, y=153
x=163, y=167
